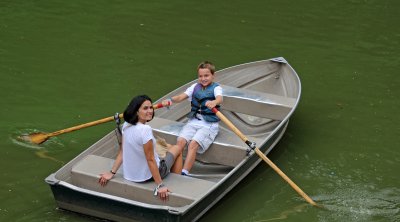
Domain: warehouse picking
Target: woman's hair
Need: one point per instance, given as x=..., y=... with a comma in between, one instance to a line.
x=207, y=65
x=131, y=112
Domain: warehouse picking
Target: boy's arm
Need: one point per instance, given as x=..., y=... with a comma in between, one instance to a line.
x=213, y=103
x=219, y=100
x=179, y=98
x=175, y=99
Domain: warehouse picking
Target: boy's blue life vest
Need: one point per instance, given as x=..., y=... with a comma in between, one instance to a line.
x=199, y=98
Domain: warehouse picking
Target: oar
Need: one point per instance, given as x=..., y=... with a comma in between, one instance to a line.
x=40, y=137
x=262, y=156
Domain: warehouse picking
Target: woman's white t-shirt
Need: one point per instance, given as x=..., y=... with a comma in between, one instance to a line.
x=135, y=167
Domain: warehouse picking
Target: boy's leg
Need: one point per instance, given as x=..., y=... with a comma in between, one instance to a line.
x=191, y=155
x=177, y=151
x=186, y=134
x=201, y=141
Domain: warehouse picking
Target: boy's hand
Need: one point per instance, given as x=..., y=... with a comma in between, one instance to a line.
x=211, y=104
x=167, y=102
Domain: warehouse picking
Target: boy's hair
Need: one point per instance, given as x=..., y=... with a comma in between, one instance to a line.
x=130, y=113
x=207, y=65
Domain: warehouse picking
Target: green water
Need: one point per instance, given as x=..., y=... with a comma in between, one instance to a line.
x=63, y=63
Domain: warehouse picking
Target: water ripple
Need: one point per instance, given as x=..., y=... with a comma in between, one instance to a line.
x=355, y=203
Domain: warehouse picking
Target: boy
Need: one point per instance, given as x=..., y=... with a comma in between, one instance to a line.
x=202, y=127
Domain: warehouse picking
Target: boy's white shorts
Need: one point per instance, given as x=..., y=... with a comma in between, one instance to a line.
x=201, y=134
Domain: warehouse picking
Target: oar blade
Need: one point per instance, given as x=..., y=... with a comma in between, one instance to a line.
x=37, y=138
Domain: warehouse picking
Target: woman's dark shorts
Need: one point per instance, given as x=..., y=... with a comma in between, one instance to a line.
x=166, y=164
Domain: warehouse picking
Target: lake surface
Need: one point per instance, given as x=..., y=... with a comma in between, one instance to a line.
x=63, y=63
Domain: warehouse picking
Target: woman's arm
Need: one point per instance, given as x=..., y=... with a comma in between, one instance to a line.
x=105, y=177
x=151, y=162
x=162, y=190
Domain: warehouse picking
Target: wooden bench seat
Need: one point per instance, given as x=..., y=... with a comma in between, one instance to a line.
x=256, y=103
x=185, y=190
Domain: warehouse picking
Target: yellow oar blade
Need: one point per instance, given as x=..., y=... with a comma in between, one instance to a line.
x=36, y=138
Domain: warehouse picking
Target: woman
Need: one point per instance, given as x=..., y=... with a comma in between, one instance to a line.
x=138, y=152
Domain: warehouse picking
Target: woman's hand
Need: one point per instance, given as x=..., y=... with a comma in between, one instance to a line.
x=105, y=177
x=163, y=193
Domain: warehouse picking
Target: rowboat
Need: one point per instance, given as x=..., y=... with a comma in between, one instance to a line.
x=259, y=98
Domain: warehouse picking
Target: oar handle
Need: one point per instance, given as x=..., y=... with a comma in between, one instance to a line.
x=262, y=155
x=97, y=122
x=160, y=105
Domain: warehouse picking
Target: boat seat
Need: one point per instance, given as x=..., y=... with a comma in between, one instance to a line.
x=264, y=105
x=227, y=148
x=184, y=189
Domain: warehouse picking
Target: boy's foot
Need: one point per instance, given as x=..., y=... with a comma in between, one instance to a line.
x=185, y=172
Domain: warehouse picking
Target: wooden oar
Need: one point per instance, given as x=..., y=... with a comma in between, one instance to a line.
x=262, y=156
x=40, y=137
